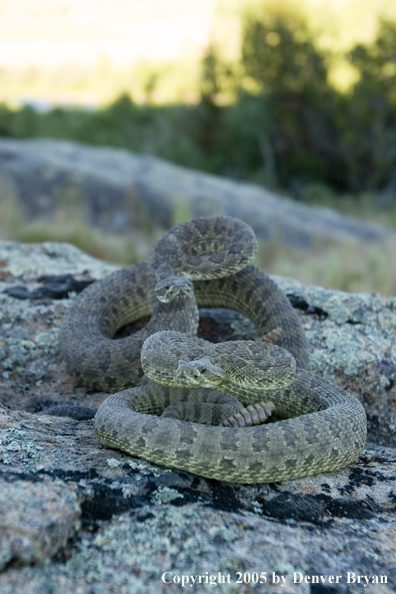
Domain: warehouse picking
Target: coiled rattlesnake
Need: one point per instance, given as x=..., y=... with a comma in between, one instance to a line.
x=322, y=427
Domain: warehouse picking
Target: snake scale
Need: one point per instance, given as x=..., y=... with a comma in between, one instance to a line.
x=205, y=262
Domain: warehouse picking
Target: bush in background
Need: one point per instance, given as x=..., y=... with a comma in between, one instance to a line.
x=294, y=130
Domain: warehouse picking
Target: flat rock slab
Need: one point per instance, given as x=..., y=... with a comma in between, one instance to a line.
x=117, y=190
x=76, y=517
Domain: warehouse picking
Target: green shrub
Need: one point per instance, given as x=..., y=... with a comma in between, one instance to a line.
x=293, y=131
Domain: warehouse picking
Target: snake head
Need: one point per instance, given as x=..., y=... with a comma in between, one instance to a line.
x=200, y=373
x=174, y=288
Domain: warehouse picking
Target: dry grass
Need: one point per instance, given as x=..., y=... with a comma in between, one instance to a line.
x=353, y=267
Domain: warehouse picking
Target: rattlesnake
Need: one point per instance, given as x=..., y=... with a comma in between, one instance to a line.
x=331, y=429
x=208, y=247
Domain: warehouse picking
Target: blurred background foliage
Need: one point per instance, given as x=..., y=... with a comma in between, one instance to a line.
x=274, y=117
x=289, y=109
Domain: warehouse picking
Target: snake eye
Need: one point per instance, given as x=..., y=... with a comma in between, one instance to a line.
x=203, y=369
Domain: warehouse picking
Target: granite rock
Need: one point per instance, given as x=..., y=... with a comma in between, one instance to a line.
x=119, y=191
x=76, y=517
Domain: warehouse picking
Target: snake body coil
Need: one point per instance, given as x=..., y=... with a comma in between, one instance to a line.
x=322, y=427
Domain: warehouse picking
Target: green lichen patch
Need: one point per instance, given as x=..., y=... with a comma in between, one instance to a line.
x=25, y=261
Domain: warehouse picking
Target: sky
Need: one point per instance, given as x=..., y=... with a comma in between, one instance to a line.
x=51, y=32
x=68, y=38
x=47, y=33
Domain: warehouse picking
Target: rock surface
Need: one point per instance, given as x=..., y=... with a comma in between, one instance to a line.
x=75, y=517
x=118, y=191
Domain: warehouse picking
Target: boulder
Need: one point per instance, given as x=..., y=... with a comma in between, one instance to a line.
x=119, y=191
x=76, y=517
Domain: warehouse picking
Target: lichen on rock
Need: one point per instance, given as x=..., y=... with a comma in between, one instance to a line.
x=77, y=517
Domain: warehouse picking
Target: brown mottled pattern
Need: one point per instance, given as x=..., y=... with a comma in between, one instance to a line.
x=319, y=440
x=128, y=295
x=323, y=428
x=248, y=366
